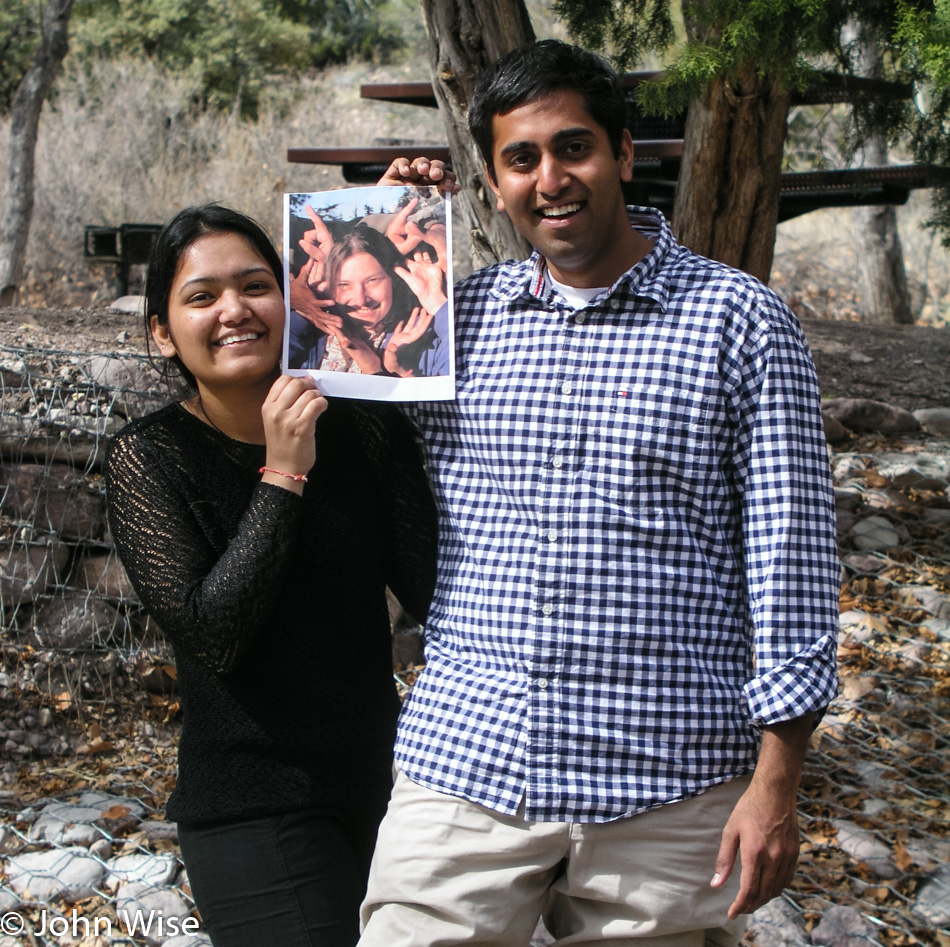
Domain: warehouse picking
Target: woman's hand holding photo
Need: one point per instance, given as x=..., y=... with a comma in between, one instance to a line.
x=290, y=413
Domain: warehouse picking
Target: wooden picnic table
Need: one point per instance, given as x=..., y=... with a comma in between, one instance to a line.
x=658, y=150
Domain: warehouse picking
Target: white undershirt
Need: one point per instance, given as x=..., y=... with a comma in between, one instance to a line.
x=577, y=297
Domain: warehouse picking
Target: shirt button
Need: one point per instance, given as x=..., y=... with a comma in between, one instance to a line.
x=614, y=303
x=567, y=388
x=543, y=684
x=552, y=535
x=580, y=318
x=547, y=609
x=557, y=463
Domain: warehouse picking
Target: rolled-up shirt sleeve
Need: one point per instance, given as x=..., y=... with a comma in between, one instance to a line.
x=788, y=522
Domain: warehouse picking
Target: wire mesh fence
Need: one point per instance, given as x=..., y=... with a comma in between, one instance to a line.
x=875, y=800
x=61, y=579
x=88, y=718
x=83, y=678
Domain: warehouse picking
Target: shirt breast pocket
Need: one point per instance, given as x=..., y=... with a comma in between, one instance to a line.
x=647, y=446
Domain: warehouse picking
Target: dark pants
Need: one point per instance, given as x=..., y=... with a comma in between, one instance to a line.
x=295, y=879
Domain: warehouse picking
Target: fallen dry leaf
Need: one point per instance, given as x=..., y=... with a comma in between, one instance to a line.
x=62, y=701
x=116, y=812
x=901, y=857
x=95, y=747
x=854, y=687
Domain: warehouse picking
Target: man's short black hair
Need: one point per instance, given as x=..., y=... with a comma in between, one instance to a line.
x=538, y=69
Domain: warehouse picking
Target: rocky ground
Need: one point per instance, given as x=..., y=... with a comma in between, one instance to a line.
x=98, y=730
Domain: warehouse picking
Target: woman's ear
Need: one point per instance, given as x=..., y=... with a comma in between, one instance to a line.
x=162, y=338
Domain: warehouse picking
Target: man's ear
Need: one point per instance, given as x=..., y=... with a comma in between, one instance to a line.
x=625, y=159
x=493, y=184
x=162, y=338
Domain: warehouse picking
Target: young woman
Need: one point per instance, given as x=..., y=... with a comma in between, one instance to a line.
x=260, y=527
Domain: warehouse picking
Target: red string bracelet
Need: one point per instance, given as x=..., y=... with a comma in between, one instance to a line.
x=300, y=478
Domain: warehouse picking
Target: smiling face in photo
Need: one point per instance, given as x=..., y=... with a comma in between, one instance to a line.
x=364, y=286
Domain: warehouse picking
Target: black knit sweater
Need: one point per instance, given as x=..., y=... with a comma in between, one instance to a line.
x=275, y=603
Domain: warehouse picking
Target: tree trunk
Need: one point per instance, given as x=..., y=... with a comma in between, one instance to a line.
x=465, y=36
x=883, y=278
x=24, y=126
x=881, y=256
x=727, y=194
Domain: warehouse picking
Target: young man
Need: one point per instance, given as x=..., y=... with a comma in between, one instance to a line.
x=634, y=624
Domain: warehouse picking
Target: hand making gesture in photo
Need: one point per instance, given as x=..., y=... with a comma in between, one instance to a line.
x=308, y=290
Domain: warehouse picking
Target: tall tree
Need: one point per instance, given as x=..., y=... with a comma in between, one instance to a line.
x=881, y=257
x=728, y=189
x=734, y=73
x=24, y=126
x=883, y=276
x=923, y=38
x=465, y=36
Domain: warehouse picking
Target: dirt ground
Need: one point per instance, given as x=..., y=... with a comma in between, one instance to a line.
x=907, y=366
x=71, y=329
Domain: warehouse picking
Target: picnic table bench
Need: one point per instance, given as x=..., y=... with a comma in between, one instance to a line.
x=122, y=245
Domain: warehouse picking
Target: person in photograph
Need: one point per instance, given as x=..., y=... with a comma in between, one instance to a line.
x=634, y=625
x=260, y=527
x=359, y=304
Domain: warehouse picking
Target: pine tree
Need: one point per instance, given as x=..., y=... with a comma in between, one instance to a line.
x=734, y=68
x=922, y=34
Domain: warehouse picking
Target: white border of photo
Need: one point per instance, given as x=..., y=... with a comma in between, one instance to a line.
x=351, y=204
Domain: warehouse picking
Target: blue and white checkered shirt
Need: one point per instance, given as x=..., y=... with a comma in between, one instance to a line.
x=638, y=565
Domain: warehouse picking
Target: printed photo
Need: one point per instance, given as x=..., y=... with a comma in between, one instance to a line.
x=368, y=272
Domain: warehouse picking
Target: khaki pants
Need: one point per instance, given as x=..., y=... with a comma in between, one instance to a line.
x=447, y=871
